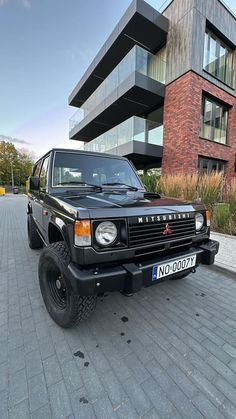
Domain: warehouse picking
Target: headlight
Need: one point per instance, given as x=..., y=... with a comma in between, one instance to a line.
x=106, y=233
x=199, y=221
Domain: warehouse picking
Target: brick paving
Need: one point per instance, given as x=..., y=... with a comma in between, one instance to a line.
x=226, y=258
x=174, y=358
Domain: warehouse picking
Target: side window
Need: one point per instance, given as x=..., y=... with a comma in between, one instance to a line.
x=37, y=168
x=43, y=173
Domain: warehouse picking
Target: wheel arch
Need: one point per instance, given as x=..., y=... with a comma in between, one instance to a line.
x=55, y=233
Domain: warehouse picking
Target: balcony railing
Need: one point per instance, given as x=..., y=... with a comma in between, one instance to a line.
x=139, y=60
x=76, y=117
x=133, y=129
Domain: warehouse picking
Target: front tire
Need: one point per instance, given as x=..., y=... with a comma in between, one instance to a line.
x=65, y=307
x=34, y=239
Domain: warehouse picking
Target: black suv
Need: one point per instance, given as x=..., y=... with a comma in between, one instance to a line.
x=103, y=232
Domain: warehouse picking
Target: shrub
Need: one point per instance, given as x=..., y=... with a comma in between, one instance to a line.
x=221, y=217
x=207, y=187
x=232, y=197
x=150, y=182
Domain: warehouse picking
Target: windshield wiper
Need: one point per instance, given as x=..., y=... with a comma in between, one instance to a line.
x=73, y=182
x=132, y=188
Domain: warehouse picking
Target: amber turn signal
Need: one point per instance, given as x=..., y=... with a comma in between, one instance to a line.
x=208, y=218
x=82, y=233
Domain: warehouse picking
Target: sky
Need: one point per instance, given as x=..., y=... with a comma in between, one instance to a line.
x=45, y=48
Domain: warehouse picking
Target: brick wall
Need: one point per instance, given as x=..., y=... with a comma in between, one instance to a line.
x=182, y=118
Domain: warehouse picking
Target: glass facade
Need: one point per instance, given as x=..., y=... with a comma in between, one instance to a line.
x=133, y=129
x=137, y=59
x=218, y=59
x=206, y=165
x=77, y=116
x=214, y=121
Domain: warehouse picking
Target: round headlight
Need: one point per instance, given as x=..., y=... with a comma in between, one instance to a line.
x=199, y=221
x=106, y=233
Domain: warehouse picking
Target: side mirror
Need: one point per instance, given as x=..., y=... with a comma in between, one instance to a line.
x=34, y=183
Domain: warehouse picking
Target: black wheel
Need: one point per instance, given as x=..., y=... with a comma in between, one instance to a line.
x=34, y=239
x=65, y=307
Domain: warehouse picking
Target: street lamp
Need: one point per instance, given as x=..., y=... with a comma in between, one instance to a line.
x=12, y=176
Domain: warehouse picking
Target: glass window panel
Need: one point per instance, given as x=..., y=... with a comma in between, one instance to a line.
x=155, y=126
x=86, y=168
x=142, y=61
x=212, y=65
x=207, y=119
x=218, y=58
x=210, y=165
x=218, y=119
x=206, y=51
x=126, y=66
x=214, y=121
x=155, y=133
x=37, y=169
x=43, y=173
x=229, y=69
x=125, y=132
x=222, y=63
x=139, y=129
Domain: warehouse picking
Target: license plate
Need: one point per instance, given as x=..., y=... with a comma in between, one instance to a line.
x=173, y=266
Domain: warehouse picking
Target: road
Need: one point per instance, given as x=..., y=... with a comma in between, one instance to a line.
x=174, y=357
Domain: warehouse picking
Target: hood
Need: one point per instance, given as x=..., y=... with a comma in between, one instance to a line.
x=116, y=204
x=119, y=199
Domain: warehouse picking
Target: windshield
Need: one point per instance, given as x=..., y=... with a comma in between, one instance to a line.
x=76, y=170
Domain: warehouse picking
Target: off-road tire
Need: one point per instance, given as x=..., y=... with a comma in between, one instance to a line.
x=34, y=239
x=68, y=309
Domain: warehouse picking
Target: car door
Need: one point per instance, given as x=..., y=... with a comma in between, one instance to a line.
x=43, y=181
x=34, y=200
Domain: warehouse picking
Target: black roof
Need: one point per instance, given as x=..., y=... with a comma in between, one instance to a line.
x=73, y=150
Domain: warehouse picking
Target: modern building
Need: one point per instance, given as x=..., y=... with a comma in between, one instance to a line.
x=161, y=91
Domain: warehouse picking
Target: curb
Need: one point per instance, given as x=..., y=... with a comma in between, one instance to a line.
x=225, y=236
x=223, y=270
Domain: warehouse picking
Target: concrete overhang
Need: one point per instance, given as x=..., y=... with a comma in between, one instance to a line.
x=135, y=96
x=141, y=25
x=141, y=154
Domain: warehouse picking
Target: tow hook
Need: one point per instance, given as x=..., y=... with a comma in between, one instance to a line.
x=193, y=270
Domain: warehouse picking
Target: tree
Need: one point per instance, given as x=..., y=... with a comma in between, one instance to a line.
x=21, y=163
x=24, y=165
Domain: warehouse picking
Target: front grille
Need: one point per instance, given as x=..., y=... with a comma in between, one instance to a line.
x=153, y=232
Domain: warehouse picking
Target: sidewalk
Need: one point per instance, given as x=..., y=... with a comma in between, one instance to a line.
x=226, y=257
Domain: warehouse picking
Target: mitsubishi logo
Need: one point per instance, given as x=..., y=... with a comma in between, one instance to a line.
x=167, y=230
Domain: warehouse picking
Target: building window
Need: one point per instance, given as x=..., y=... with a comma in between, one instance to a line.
x=214, y=121
x=218, y=58
x=206, y=165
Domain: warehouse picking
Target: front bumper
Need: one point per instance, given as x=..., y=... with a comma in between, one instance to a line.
x=131, y=277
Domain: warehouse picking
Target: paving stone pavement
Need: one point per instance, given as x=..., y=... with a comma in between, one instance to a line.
x=226, y=258
x=174, y=358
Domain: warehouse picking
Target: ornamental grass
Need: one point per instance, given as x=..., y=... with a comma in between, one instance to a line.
x=210, y=188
